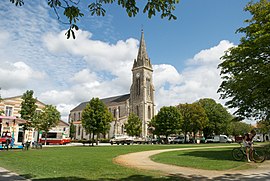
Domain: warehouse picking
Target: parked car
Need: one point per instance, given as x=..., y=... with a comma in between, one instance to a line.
x=209, y=139
x=256, y=140
x=121, y=139
x=218, y=139
x=5, y=138
x=178, y=140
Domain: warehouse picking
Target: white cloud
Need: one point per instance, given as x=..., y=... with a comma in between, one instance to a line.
x=98, y=55
x=165, y=73
x=64, y=109
x=57, y=97
x=85, y=76
x=17, y=75
x=211, y=55
x=200, y=79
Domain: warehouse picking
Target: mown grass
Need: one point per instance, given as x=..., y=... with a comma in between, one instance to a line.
x=81, y=163
x=209, y=159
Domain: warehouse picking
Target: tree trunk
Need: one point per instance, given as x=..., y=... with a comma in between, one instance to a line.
x=97, y=139
x=185, y=137
x=45, y=138
x=93, y=139
x=23, y=137
x=194, y=135
x=38, y=136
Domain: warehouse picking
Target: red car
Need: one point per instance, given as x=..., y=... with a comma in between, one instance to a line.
x=5, y=136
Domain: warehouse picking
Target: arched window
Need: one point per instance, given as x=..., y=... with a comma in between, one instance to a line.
x=138, y=111
x=114, y=113
x=79, y=130
x=138, y=85
x=79, y=115
x=122, y=129
x=74, y=116
x=148, y=92
x=119, y=111
x=149, y=112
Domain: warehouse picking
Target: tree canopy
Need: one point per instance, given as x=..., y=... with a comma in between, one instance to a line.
x=49, y=117
x=28, y=105
x=72, y=130
x=28, y=109
x=96, y=118
x=218, y=117
x=134, y=125
x=72, y=9
x=264, y=126
x=246, y=68
x=167, y=121
x=194, y=118
x=239, y=128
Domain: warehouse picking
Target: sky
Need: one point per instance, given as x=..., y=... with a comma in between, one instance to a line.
x=35, y=54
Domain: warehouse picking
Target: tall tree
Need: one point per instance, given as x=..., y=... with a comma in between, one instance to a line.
x=48, y=118
x=218, y=117
x=28, y=109
x=96, y=118
x=72, y=130
x=264, y=127
x=133, y=125
x=239, y=128
x=246, y=68
x=194, y=118
x=167, y=121
x=73, y=9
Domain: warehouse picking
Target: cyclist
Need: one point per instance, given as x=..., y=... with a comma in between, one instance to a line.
x=248, y=143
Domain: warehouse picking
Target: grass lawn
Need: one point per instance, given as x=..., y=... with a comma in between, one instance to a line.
x=87, y=163
x=210, y=159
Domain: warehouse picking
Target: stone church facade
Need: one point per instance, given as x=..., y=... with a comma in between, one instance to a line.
x=140, y=101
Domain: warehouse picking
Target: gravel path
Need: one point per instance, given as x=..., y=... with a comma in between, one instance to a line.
x=262, y=172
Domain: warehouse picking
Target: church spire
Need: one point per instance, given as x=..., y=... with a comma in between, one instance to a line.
x=142, y=57
x=142, y=54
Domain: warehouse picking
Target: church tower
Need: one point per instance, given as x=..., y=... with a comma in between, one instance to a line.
x=142, y=88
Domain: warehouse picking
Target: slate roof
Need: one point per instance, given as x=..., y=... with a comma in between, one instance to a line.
x=110, y=101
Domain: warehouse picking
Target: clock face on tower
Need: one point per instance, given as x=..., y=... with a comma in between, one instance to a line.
x=138, y=75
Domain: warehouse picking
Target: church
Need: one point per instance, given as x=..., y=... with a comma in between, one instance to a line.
x=139, y=101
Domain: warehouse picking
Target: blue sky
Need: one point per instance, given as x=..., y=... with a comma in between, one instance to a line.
x=35, y=54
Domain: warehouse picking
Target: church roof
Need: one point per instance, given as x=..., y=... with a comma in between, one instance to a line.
x=110, y=101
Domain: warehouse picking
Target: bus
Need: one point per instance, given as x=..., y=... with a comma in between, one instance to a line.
x=54, y=138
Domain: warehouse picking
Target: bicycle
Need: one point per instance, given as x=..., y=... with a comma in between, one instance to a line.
x=258, y=155
x=36, y=145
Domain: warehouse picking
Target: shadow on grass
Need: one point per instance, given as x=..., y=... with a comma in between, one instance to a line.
x=225, y=154
x=8, y=176
x=210, y=154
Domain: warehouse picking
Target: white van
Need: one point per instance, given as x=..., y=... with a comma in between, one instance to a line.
x=218, y=139
x=224, y=139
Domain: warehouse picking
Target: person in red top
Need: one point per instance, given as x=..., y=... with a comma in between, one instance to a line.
x=248, y=143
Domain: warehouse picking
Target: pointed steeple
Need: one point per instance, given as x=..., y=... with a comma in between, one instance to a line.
x=142, y=54
x=142, y=57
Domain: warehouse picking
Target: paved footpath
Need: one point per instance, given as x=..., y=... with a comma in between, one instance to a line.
x=6, y=175
x=262, y=172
